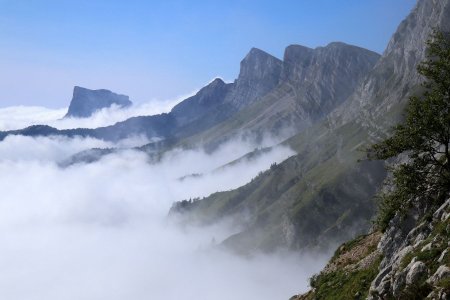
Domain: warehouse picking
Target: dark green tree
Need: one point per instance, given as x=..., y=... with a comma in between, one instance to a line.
x=422, y=139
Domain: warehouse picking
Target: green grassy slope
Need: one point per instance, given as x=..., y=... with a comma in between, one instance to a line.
x=309, y=200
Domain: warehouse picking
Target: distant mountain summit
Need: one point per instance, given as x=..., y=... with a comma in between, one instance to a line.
x=86, y=102
x=259, y=73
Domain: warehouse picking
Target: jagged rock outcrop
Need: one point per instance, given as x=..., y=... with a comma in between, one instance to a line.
x=410, y=260
x=326, y=76
x=259, y=74
x=377, y=103
x=416, y=260
x=86, y=102
x=216, y=103
x=312, y=83
x=207, y=99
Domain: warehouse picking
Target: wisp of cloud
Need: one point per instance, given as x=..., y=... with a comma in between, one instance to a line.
x=18, y=117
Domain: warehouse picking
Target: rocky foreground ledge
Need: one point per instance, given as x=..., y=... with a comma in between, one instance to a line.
x=410, y=260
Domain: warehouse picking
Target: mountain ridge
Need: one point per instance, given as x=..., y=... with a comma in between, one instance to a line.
x=260, y=73
x=326, y=172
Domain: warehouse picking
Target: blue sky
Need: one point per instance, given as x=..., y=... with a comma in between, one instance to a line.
x=168, y=48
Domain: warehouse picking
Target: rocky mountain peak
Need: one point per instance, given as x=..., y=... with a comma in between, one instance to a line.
x=326, y=76
x=207, y=98
x=416, y=28
x=336, y=48
x=407, y=46
x=85, y=102
x=259, y=73
x=301, y=63
x=394, y=76
x=259, y=65
x=209, y=94
x=216, y=82
x=297, y=55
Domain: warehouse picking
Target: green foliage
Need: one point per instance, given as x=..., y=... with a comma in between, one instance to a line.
x=444, y=283
x=440, y=239
x=343, y=284
x=418, y=291
x=424, y=137
x=427, y=257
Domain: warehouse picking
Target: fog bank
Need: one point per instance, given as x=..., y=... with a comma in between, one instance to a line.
x=100, y=230
x=18, y=117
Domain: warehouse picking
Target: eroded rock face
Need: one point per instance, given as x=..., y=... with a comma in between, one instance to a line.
x=259, y=73
x=403, y=246
x=395, y=76
x=312, y=83
x=416, y=270
x=326, y=76
x=441, y=273
x=203, y=103
x=86, y=102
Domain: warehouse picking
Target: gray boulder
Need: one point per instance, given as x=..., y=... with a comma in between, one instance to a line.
x=417, y=270
x=441, y=273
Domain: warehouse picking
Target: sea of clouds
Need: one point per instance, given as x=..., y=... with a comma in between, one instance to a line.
x=100, y=230
x=18, y=117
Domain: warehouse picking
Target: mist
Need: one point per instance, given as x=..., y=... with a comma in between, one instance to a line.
x=100, y=230
x=18, y=117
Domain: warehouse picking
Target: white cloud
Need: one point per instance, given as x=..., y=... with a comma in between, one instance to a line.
x=100, y=230
x=18, y=117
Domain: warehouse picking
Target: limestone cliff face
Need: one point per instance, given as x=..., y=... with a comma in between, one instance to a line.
x=205, y=101
x=311, y=84
x=416, y=260
x=410, y=260
x=326, y=76
x=394, y=78
x=85, y=102
x=259, y=73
